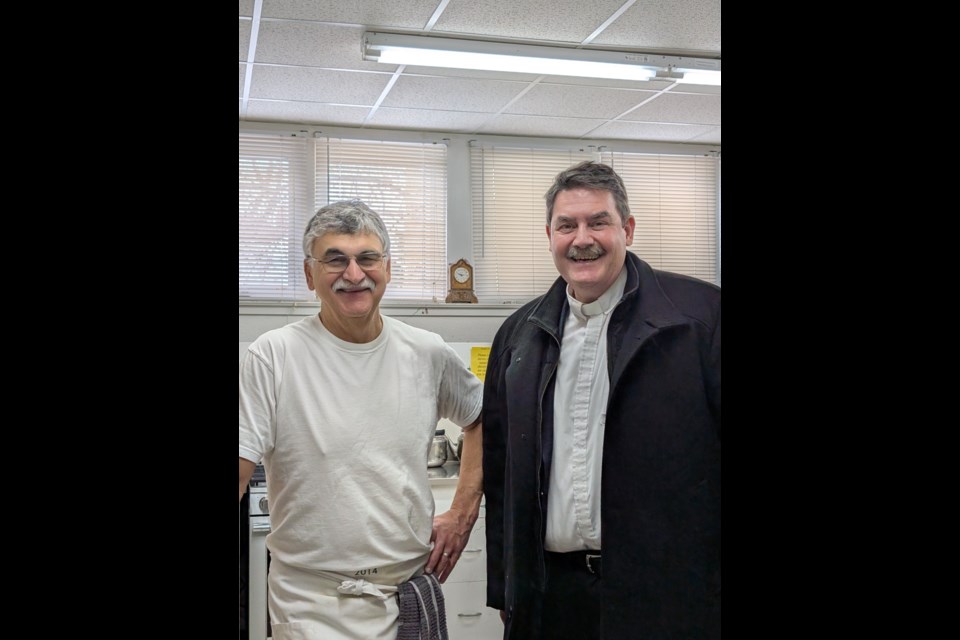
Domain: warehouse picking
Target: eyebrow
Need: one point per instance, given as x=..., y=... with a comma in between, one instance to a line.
x=595, y=216
x=333, y=251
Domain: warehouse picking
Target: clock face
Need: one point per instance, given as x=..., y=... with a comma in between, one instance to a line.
x=461, y=274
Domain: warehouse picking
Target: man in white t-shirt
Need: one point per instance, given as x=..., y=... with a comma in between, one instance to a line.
x=341, y=407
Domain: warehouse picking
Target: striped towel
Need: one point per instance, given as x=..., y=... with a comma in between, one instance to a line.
x=423, y=615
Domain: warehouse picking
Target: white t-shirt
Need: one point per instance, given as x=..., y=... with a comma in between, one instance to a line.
x=343, y=430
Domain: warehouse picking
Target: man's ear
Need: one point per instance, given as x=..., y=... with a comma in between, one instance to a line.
x=308, y=273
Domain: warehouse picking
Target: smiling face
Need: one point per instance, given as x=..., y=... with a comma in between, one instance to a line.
x=351, y=298
x=588, y=240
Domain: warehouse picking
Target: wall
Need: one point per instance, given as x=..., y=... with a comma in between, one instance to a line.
x=454, y=323
x=461, y=323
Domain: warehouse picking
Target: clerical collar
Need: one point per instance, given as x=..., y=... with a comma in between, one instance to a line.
x=604, y=304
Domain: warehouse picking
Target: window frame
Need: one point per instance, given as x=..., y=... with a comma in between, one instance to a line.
x=459, y=213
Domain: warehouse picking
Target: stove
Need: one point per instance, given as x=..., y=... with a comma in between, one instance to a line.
x=254, y=601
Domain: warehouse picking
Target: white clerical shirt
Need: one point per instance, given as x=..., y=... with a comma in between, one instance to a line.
x=579, y=410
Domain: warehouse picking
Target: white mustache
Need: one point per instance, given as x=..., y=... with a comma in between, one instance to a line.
x=343, y=285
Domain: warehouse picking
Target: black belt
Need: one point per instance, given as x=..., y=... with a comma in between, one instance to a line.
x=588, y=560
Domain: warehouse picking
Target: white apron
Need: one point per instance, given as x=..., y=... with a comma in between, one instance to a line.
x=311, y=605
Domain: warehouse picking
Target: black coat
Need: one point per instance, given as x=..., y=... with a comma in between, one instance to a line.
x=660, y=508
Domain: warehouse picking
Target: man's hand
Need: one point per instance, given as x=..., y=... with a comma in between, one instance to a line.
x=451, y=530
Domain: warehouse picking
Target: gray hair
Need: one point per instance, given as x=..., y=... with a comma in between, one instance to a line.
x=348, y=217
x=590, y=175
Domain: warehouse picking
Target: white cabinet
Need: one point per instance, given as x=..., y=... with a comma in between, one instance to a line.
x=467, y=616
x=465, y=591
x=472, y=566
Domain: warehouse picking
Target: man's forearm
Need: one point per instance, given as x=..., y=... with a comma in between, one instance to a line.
x=469, y=492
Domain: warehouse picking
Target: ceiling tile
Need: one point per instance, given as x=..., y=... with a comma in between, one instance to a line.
x=313, y=44
x=244, y=39
x=554, y=20
x=452, y=94
x=652, y=131
x=306, y=112
x=410, y=14
x=427, y=120
x=557, y=100
x=539, y=126
x=683, y=108
x=317, y=85
x=692, y=25
x=308, y=68
x=695, y=89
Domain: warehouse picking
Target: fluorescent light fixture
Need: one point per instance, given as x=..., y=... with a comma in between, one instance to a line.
x=429, y=51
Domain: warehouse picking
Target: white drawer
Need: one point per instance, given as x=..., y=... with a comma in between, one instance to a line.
x=472, y=566
x=468, y=617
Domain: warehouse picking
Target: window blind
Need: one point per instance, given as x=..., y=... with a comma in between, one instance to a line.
x=406, y=183
x=510, y=247
x=674, y=202
x=284, y=180
x=276, y=194
x=672, y=198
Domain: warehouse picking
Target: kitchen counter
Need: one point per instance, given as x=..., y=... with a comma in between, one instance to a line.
x=448, y=474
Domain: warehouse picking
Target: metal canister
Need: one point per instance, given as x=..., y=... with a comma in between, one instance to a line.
x=437, y=455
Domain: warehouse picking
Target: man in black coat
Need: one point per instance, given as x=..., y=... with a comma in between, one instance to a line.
x=608, y=385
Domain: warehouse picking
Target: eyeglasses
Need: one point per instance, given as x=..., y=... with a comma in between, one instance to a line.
x=339, y=264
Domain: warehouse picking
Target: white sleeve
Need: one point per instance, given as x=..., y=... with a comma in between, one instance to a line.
x=461, y=392
x=257, y=406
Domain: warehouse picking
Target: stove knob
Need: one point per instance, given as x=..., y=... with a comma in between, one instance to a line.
x=263, y=505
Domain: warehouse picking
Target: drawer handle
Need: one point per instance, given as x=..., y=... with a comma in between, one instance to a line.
x=472, y=550
x=468, y=615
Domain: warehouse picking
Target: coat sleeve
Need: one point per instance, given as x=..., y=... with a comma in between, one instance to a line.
x=494, y=464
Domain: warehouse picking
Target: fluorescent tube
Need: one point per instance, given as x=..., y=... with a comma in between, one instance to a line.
x=454, y=53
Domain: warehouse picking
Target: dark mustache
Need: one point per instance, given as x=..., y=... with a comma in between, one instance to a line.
x=588, y=253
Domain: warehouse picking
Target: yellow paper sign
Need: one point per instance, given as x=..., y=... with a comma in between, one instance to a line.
x=478, y=361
